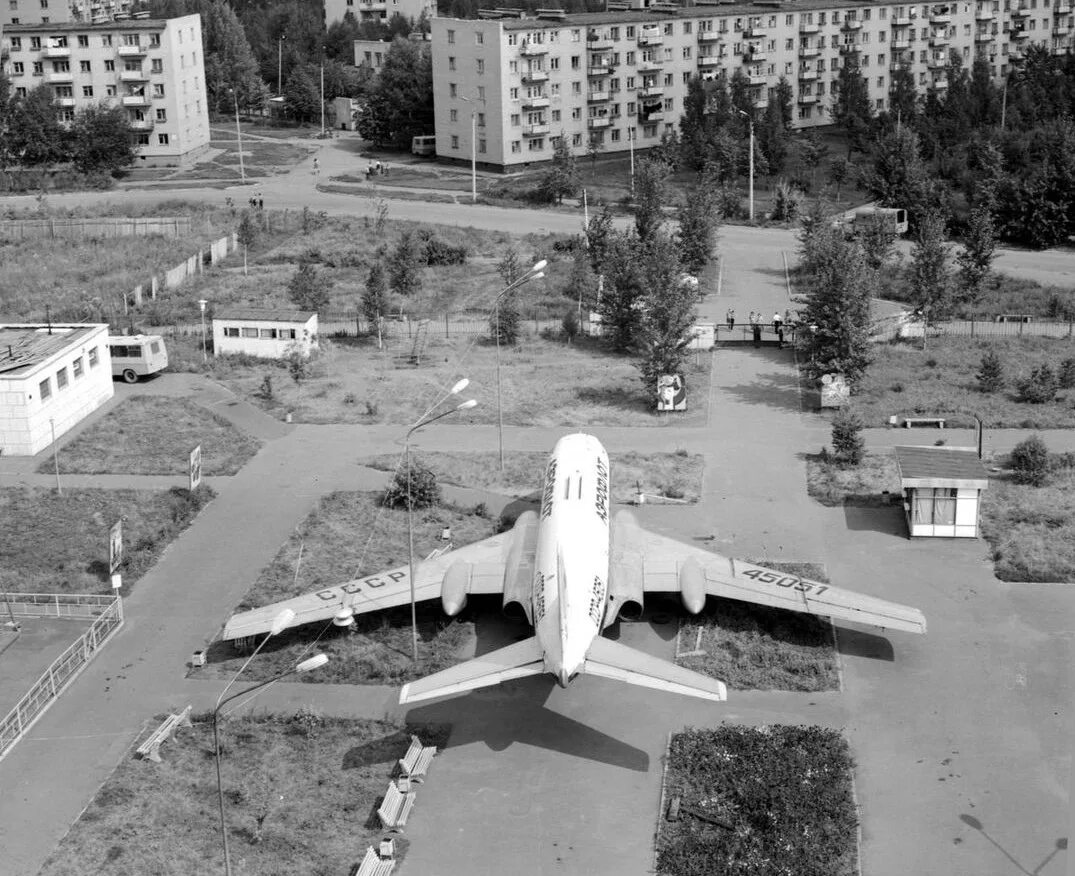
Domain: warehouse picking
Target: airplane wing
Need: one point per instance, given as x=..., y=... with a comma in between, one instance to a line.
x=513, y=661
x=485, y=558
x=667, y=564
x=609, y=659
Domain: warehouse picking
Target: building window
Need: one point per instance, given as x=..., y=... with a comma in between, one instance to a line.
x=556, y=115
x=110, y=91
x=158, y=90
x=87, y=91
x=451, y=37
x=83, y=41
x=45, y=389
x=616, y=136
x=106, y=40
x=516, y=146
x=268, y=335
x=156, y=66
x=481, y=145
x=35, y=43
x=576, y=139
x=451, y=62
x=481, y=66
x=61, y=378
x=16, y=44
x=451, y=89
x=455, y=141
x=576, y=113
x=76, y=368
x=110, y=66
x=574, y=62
x=162, y=115
x=230, y=332
x=162, y=139
x=92, y=356
x=537, y=144
x=83, y=66
x=479, y=37
x=481, y=120
x=453, y=115
x=154, y=39
x=17, y=68
x=250, y=332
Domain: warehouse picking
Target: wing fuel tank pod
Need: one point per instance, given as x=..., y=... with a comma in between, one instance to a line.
x=519, y=567
x=625, y=582
x=455, y=588
x=692, y=585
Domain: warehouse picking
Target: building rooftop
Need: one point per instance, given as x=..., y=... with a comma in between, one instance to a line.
x=84, y=26
x=264, y=314
x=940, y=467
x=24, y=347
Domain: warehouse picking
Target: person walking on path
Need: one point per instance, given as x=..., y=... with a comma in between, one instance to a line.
x=755, y=325
x=730, y=318
x=778, y=328
x=317, y=167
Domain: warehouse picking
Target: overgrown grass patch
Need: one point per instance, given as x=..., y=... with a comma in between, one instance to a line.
x=61, y=542
x=875, y=482
x=675, y=475
x=755, y=647
x=782, y=798
x=301, y=793
x=154, y=435
x=347, y=536
x=941, y=380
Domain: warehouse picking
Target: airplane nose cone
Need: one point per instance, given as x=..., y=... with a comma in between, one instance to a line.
x=563, y=677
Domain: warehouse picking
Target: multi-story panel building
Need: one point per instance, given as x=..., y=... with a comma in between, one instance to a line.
x=375, y=10
x=611, y=77
x=152, y=68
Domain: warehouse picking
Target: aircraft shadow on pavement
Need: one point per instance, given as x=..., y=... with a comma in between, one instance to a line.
x=857, y=643
x=515, y=713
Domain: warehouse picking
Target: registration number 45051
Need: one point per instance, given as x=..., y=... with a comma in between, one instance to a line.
x=763, y=576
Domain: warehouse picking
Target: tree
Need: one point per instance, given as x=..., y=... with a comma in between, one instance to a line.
x=562, y=177
x=837, y=313
x=1030, y=461
x=246, y=234
x=594, y=145
x=405, y=265
x=413, y=486
x=983, y=100
x=101, y=140
x=848, y=445
x=581, y=283
x=975, y=259
x=620, y=303
x=399, y=105
x=36, y=135
x=504, y=320
x=899, y=176
x=991, y=373
x=773, y=133
x=308, y=288
x=839, y=171
x=694, y=125
x=931, y=282
x=600, y=234
x=903, y=97
x=851, y=107
x=698, y=225
x=375, y=295
x=509, y=267
x=302, y=98
x=1040, y=387
x=651, y=180
x=668, y=313
x=812, y=152
x=877, y=240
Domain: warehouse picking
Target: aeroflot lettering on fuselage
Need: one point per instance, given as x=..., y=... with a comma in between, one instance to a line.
x=601, y=501
x=550, y=487
x=353, y=587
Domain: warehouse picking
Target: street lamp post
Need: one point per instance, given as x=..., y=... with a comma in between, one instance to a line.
x=535, y=273
x=750, y=122
x=424, y=420
x=322, y=92
x=201, y=306
x=473, y=149
x=280, y=65
x=631, y=145
x=239, y=136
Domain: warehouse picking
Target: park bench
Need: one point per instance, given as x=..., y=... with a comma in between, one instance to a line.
x=415, y=763
x=395, y=807
x=151, y=747
x=908, y=422
x=374, y=865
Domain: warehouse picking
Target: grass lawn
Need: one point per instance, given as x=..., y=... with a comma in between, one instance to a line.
x=61, y=542
x=440, y=178
x=544, y=383
x=131, y=440
x=676, y=475
x=349, y=535
x=782, y=797
x=301, y=796
x=864, y=485
x=261, y=158
x=755, y=647
x=906, y=380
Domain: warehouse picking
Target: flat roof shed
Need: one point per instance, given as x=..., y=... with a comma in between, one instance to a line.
x=942, y=490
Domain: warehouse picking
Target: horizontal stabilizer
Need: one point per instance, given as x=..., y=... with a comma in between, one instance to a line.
x=609, y=659
x=514, y=661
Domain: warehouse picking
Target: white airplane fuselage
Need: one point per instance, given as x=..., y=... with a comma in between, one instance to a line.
x=572, y=561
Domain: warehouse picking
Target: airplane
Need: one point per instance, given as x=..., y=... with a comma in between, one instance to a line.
x=572, y=571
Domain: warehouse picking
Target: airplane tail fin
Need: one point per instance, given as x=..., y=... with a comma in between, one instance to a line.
x=610, y=659
x=513, y=661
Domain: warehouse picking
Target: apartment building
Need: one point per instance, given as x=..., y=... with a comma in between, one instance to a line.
x=615, y=77
x=375, y=10
x=61, y=11
x=153, y=68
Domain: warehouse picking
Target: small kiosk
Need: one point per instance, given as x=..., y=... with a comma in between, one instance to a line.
x=942, y=489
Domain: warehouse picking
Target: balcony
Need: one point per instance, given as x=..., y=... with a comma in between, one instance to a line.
x=535, y=76
x=940, y=18
x=1019, y=33
x=808, y=98
x=651, y=91
x=533, y=50
x=851, y=24
x=656, y=116
x=598, y=96
x=755, y=79
x=710, y=60
x=937, y=62
x=599, y=122
x=1015, y=56
x=1020, y=12
x=849, y=48
x=939, y=41
x=535, y=102
x=59, y=78
x=1061, y=30
x=984, y=15
x=939, y=84
x=65, y=101
x=808, y=29
x=902, y=21
x=755, y=33
x=809, y=51
x=135, y=100
x=535, y=130
x=131, y=51
x=56, y=51
x=808, y=75
x=1062, y=9
x=133, y=76
x=756, y=58
x=141, y=124
x=900, y=45
x=709, y=36
x=650, y=37
x=599, y=70
x=984, y=36
x=761, y=102
x=650, y=66
x=601, y=44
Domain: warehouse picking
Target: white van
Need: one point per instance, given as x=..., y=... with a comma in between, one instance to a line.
x=135, y=356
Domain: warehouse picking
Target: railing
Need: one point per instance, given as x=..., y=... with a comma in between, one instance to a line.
x=108, y=611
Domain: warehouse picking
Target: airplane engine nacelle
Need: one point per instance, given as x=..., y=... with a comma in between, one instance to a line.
x=519, y=567
x=692, y=585
x=455, y=587
x=625, y=592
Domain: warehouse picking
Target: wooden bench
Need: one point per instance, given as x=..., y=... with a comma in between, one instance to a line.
x=908, y=422
x=151, y=747
x=415, y=763
x=374, y=865
x=395, y=807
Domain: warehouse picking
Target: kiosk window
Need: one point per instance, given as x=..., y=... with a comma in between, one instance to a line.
x=935, y=506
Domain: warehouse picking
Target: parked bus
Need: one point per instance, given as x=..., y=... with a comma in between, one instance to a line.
x=424, y=145
x=862, y=219
x=135, y=356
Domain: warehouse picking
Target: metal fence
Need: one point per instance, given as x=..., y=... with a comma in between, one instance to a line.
x=27, y=229
x=108, y=614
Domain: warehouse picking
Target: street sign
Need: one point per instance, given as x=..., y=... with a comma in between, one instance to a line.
x=195, y=467
x=115, y=546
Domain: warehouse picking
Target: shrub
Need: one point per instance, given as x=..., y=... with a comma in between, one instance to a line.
x=437, y=252
x=786, y=204
x=1066, y=376
x=1040, y=387
x=265, y=391
x=1029, y=460
x=848, y=446
x=570, y=323
x=991, y=374
x=729, y=204
x=424, y=490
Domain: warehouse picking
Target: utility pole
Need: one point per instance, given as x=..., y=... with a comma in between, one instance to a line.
x=322, y=92
x=280, y=65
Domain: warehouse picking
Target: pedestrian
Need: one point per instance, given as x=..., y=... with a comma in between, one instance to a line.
x=261, y=203
x=379, y=168
x=386, y=168
x=317, y=167
x=730, y=318
x=778, y=327
x=756, y=325
x=752, y=319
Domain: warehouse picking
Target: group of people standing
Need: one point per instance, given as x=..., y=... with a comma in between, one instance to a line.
x=755, y=320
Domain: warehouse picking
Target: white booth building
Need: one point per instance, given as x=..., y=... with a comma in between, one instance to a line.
x=265, y=333
x=51, y=378
x=942, y=490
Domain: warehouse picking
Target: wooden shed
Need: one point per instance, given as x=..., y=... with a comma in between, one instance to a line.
x=942, y=490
